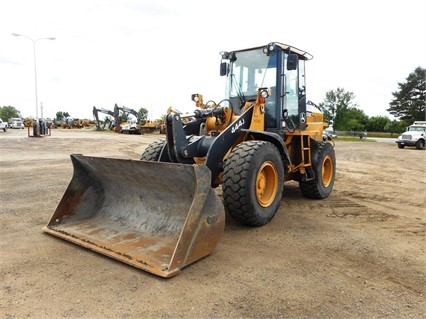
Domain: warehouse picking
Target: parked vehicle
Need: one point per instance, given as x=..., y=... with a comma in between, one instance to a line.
x=413, y=136
x=3, y=125
x=16, y=122
x=327, y=135
x=360, y=134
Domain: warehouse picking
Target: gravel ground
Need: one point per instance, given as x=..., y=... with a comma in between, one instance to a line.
x=358, y=254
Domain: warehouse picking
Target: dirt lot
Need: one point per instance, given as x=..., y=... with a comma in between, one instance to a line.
x=358, y=254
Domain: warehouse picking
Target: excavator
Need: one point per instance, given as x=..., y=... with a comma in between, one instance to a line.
x=262, y=134
x=115, y=114
x=140, y=126
x=131, y=127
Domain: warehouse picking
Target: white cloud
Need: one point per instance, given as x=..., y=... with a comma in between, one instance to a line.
x=154, y=54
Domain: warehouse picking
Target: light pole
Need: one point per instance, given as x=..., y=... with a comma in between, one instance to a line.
x=35, y=64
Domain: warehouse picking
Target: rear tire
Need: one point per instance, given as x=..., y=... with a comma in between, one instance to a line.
x=253, y=182
x=153, y=151
x=324, y=166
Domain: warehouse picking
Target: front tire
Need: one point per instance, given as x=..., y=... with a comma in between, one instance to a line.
x=153, y=152
x=324, y=166
x=420, y=144
x=253, y=182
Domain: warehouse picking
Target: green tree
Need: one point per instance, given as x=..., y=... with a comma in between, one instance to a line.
x=338, y=106
x=61, y=115
x=352, y=119
x=143, y=112
x=6, y=112
x=394, y=127
x=409, y=101
x=377, y=123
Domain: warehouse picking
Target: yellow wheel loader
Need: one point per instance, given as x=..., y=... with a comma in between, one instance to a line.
x=262, y=134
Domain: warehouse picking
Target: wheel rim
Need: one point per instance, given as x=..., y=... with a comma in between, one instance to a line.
x=266, y=184
x=327, y=171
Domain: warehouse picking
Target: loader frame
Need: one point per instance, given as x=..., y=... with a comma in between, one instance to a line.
x=259, y=136
x=261, y=114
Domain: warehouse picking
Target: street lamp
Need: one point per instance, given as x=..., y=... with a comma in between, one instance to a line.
x=35, y=64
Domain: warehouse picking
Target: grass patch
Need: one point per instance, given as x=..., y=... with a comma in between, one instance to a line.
x=383, y=134
x=353, y=139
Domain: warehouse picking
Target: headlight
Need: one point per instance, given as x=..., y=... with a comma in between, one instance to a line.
x=264, y=93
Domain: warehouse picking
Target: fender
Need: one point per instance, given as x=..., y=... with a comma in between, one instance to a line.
x=224, y=142
x=273, y=138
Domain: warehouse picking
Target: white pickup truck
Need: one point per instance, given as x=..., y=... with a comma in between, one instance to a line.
x=415, y=135
x=3, y=125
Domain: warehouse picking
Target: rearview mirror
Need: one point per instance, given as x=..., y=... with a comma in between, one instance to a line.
x=224, y=68
x=292, y=61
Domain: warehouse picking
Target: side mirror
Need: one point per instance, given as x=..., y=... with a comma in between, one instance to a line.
x=292, y=61
x=224, y=68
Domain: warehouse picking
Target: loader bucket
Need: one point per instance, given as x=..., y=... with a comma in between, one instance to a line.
x=159, y=217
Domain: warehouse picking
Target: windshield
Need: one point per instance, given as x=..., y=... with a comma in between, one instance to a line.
x=417, y=128
x=251, y=70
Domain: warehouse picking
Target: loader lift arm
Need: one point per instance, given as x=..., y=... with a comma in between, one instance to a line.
x=183, y=148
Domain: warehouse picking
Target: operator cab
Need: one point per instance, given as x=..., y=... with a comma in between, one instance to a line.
x=276, y=66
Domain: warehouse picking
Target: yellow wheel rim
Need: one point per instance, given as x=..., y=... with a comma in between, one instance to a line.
x=266, y=184
x=327, y=171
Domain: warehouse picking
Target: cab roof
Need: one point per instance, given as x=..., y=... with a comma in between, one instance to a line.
x=301, y=53
x=288, y=48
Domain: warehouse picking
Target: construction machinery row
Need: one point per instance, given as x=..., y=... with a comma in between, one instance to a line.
x=262, y=134
x=114, y=121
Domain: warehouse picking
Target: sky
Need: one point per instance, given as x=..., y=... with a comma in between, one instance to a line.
x=156, y=53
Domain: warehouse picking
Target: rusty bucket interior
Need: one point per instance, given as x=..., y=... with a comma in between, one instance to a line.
x=158, y=217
